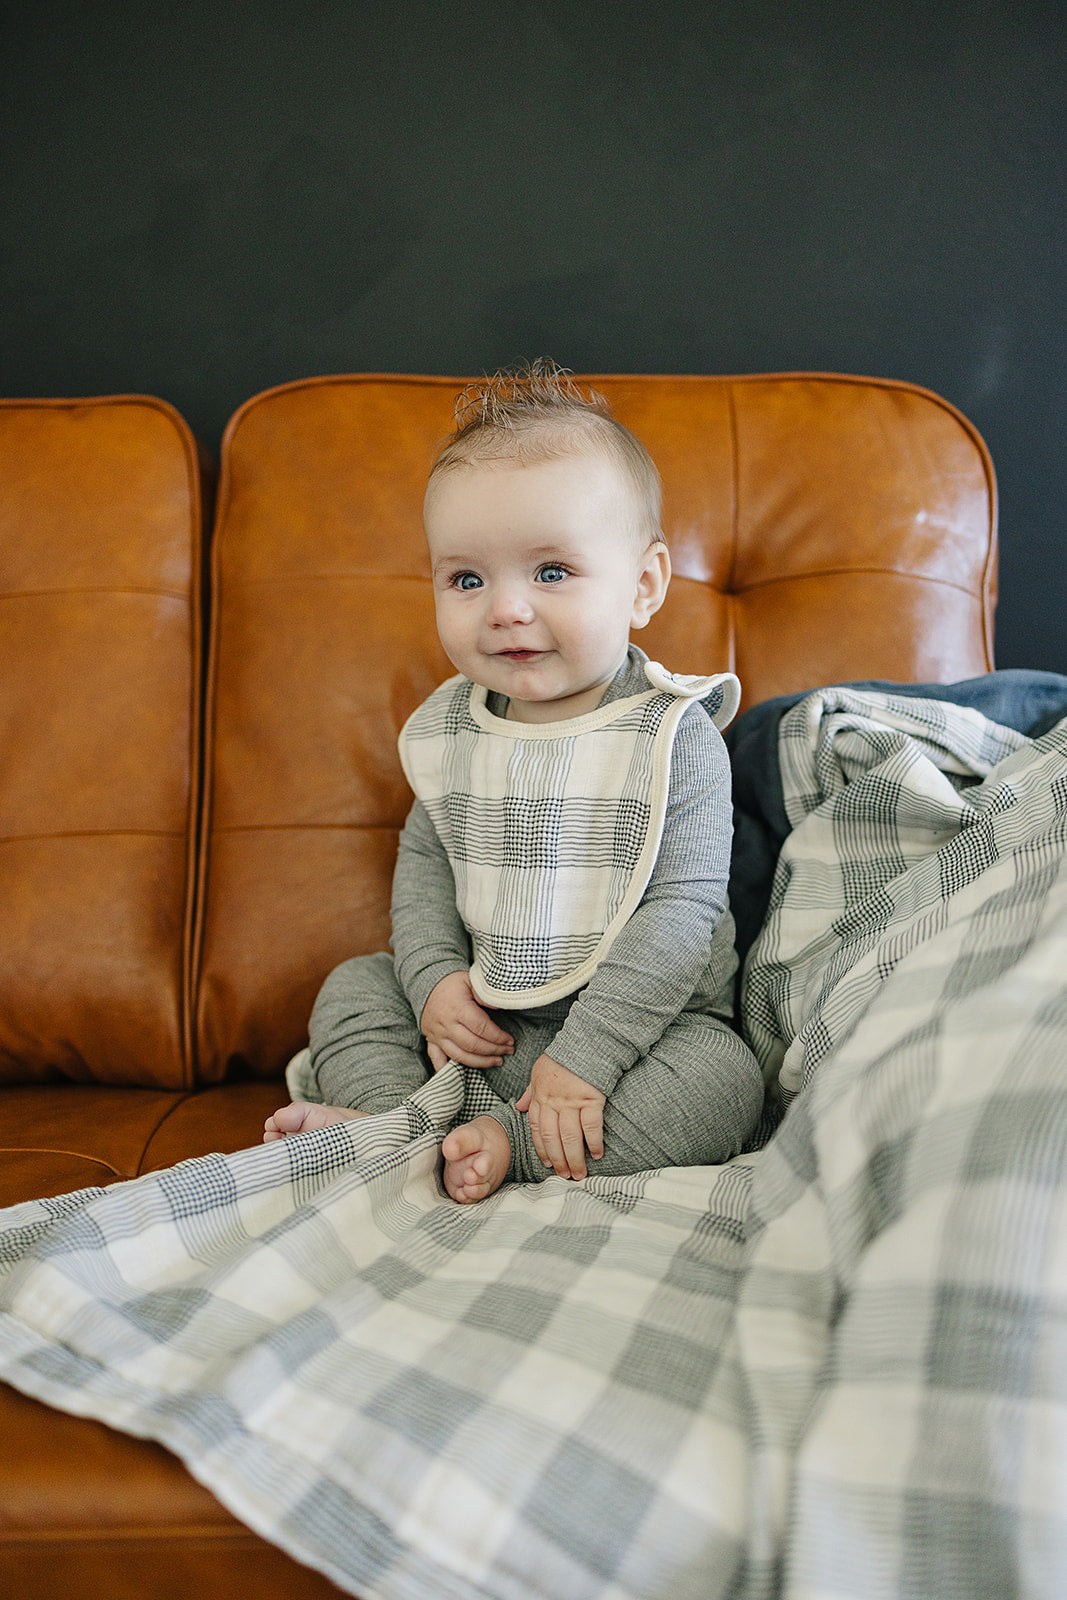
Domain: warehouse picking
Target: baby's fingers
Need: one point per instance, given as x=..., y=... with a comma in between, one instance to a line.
x=472, y=1050
x=573, y=1145
x=481, y=1027
x=593, y=1130
x=557, y=1138
x=540, y=1121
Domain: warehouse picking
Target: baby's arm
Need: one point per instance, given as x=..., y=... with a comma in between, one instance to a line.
x=431, y=953
x=669, y=947
x=429, y=940
x=667, y=956
x=654, y=967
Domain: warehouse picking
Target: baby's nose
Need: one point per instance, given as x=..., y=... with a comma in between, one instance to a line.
x=509, y=603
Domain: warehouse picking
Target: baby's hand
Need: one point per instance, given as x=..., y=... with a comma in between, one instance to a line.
x=456, y=1027
x=566, y=1117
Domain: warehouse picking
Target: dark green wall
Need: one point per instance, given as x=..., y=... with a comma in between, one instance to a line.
x=199, y=201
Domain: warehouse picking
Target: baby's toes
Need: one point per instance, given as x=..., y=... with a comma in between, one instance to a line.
x=462, y=1180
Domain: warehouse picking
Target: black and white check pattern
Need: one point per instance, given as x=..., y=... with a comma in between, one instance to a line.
x=896, y=806
x=834, y=1370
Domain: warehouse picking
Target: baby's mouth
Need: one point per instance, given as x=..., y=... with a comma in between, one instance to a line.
x=518, y=655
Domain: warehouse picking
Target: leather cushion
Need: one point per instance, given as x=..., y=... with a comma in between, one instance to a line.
x=99, y=634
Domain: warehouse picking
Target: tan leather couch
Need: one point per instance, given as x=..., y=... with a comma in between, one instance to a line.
x=200, y=795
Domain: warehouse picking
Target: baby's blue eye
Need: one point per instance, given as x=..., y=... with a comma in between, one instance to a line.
x=551, y=573
x=467, y=580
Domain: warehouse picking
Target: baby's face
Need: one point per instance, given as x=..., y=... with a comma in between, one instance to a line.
x=538, y=579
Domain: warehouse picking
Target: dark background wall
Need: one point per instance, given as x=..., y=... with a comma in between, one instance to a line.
x=202, y=200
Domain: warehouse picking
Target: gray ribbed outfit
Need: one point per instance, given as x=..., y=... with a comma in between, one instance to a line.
x=649, y=1029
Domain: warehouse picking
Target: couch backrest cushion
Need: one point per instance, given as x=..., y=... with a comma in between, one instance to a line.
x=822, y=528
x=99, y=567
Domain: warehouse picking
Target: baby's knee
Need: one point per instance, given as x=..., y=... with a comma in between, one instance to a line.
x=360, y=986
x=695, y=1100
x=737, y=1088
x=357, y=976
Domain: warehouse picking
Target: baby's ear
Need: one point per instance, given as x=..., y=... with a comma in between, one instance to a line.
x=653, y=576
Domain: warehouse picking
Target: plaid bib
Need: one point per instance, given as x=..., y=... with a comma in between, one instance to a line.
x=551, y=829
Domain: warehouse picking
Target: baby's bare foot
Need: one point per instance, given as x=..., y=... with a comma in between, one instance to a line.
x=302, y=1116
x=477, y=1157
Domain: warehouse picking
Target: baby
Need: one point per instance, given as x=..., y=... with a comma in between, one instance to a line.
x=559, y=903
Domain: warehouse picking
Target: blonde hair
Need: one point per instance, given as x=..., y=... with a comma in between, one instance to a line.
x=537, y=412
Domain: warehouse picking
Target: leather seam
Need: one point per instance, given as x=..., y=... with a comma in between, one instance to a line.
x=307, y=827
x=163, y=1118
x=846, y=572
x=94, y=833
x=56, y=1150
x=97, y=589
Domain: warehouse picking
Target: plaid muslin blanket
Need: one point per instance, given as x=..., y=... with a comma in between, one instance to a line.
x=834, y=1367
